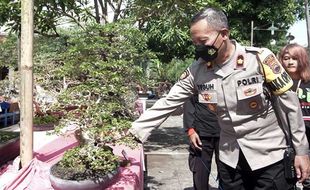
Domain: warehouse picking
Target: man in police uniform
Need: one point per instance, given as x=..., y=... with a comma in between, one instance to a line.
x=231, y=77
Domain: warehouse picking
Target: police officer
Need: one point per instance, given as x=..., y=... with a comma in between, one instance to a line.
x=232, y=77
x=200, y=123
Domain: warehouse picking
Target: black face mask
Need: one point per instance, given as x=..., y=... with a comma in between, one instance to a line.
x=207, y=52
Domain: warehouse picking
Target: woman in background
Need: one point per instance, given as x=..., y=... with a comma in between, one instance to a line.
x=295, y=60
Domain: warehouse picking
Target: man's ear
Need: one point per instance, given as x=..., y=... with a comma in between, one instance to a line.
x=225, y=33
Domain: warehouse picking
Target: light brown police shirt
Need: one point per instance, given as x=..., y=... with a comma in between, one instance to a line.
x=234, y=90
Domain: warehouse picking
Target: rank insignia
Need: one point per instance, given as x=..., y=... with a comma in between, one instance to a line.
x=240, y=61
x=253, y=104
x=184, y=75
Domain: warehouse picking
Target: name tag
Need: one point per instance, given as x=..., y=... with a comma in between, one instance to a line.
x=250, y=80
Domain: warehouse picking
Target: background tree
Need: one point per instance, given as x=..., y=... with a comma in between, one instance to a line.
x=51, y=13
x=166, y=22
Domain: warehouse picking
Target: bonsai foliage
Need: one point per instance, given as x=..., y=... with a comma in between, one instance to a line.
x=83, y=162
x=46, y=119
x=6, y=135
x=98, y=70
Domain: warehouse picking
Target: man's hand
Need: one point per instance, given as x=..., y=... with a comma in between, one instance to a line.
x=302, y=166
x=128, y=133
x=195, y=141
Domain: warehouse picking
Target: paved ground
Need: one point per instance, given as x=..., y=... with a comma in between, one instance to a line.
x=166, y=158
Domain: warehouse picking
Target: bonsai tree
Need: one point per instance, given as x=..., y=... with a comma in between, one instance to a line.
x=99, y=69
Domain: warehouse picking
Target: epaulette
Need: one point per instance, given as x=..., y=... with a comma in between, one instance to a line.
x=255, y=49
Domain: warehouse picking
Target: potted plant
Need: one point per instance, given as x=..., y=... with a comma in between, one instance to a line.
x=93, y=165
x=85, y=167
x=100, y=85
x=9, y=146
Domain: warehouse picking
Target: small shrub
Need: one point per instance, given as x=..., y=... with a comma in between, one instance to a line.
x=46, y=119
x=5, y=136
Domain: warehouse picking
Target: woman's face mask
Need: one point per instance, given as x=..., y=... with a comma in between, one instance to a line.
x=207, y=52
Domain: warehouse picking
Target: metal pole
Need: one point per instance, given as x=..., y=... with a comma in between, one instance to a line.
x=26, y=92
x=308, y=22
x=252, y=31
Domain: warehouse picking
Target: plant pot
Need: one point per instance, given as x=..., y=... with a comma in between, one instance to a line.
x=43, y=127
x=88, y=184
x=9, y=150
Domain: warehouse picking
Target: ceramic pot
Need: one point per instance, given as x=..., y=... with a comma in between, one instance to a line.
x=98, y=184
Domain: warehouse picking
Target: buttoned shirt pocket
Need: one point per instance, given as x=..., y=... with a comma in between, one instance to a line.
x=250, y=99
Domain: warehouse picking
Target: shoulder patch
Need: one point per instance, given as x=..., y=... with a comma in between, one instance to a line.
x=277, y=79
x=184, y=75
x=272, y=62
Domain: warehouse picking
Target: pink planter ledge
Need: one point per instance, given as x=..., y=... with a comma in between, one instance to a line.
x=131, y=177
x=9, y=150
x=35, y=176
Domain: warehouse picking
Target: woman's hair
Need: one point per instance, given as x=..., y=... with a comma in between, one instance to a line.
x=215, y=17
x=300, y=54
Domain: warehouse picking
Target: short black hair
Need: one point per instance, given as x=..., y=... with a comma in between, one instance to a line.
x=215, y=17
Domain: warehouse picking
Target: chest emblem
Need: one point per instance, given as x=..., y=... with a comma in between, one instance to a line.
x=250, y=91
x=207, y=97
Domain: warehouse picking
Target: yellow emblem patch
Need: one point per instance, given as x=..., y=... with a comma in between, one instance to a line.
x=276, y=77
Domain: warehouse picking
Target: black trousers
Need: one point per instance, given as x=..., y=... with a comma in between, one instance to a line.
x=243, y=178
x=200, y=161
